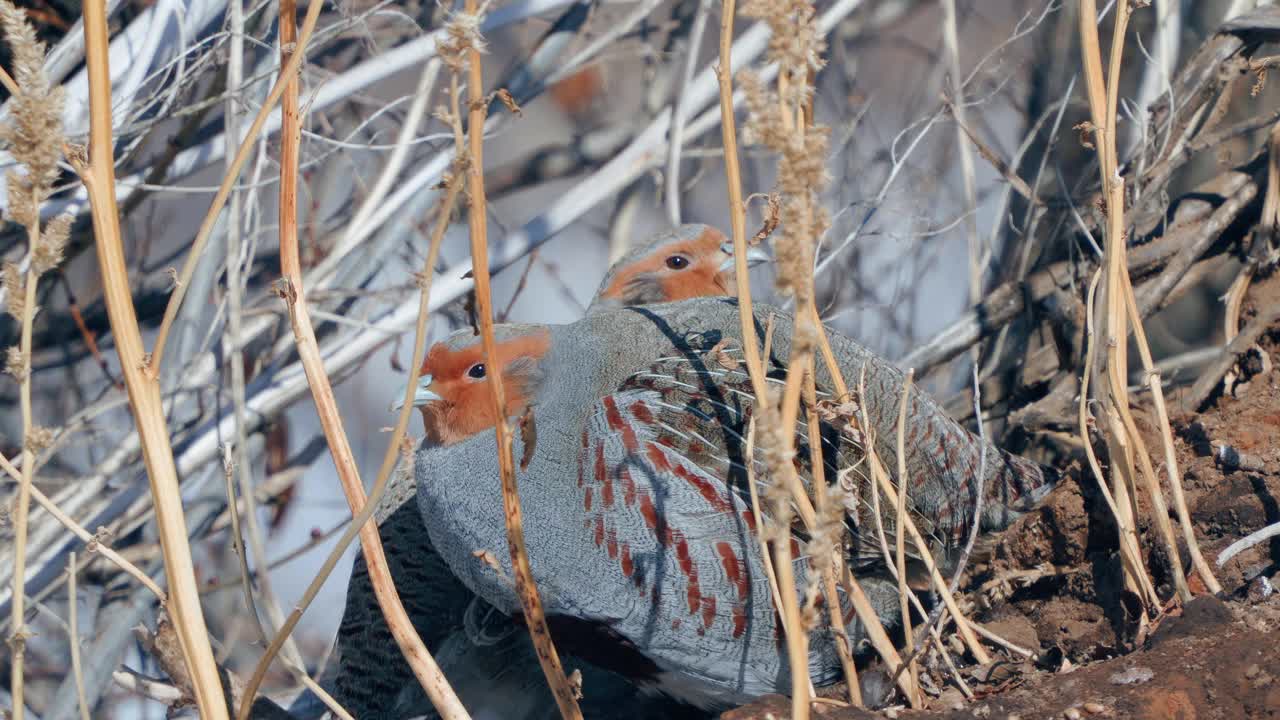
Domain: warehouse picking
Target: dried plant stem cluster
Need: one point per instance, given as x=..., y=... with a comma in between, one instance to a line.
x=1129, y=458
x=411, y=645
x=781, y=119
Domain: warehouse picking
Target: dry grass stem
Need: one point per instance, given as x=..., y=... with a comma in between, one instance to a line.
x=963, y=626
x=33, y=133
x=875, y=632
x=786, y=596
x=143, y=389
x=526, y=588
x=900, y=538
x=761, y=537
x=1170, y=459
x=826, y=547
x=1012, y=647
x=73, y=636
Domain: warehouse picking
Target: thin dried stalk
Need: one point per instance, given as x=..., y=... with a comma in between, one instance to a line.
x=18, y=639
x=1166, y=437
x=760, y=519
x=761, y=537
x=89, y=538
x=236, y=463
x=144, y=390
x=526, y=588
x=796, y=638
x=1256, y=537
x=881, y=477
x=1013, y=647
x=826, y=560
x=289, y=70
x=875, y=632
x=415, y=652
x=27, y=190
x=73, y=636
x=951, y=42
x=900, y=538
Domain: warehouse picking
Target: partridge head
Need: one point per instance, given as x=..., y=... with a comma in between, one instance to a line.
x=453, y=391
x=687, y=262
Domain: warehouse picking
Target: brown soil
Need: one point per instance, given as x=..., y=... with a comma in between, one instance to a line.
x=1053, y=585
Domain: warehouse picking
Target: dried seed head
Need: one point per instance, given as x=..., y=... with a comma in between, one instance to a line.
x=47, y=253
x=13, y=364
x=34, y=131
x=796, y=44
x=23, y=204
x=15, y=290
x=39, y=438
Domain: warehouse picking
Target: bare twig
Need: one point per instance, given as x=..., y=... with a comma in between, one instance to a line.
x=73, y=636
x=967, y=173
x=900, y=537
x=1267, y=316
x=18, y=638
x=825, y=561
x=236, y=461
x=1256, y=537
x=679, y=114
x=979, y=491
x=1130, y=554
x=287, y=72
x=1170, y=458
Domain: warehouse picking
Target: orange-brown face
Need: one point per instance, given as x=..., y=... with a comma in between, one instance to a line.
x=676, y=270
x=457, y=390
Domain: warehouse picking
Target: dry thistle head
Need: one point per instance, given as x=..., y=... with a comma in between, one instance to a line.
x=34, y=132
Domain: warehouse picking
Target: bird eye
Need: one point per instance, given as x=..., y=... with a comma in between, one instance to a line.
x=677, y=262
x=476, y=371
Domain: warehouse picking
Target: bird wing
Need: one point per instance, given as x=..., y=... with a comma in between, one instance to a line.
x=701, y=412
x=663, y=483
x=657, y=501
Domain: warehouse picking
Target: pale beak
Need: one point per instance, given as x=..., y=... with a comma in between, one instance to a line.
x=755, y=256
x=421, y=396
